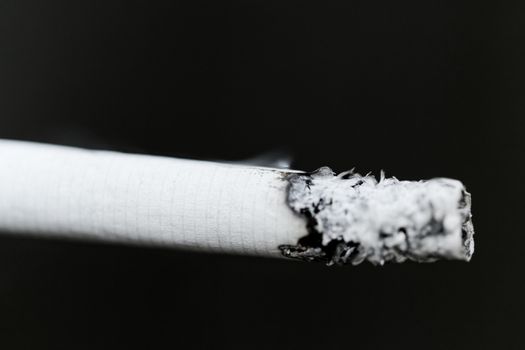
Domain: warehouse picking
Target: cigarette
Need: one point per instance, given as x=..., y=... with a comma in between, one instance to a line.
x=51, y=190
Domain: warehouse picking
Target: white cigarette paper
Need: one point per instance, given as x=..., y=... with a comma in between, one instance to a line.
x=48, y=190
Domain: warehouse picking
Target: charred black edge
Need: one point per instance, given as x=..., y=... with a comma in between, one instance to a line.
x=467, y=228
x=310, y=248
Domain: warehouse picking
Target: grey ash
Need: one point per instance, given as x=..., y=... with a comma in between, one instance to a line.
x=351, y=218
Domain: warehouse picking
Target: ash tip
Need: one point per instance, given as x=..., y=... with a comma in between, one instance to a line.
x=352, y=218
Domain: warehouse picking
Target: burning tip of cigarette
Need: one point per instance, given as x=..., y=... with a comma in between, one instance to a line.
x=352, y=218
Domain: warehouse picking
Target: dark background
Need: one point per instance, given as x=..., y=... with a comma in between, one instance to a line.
x=420, y=89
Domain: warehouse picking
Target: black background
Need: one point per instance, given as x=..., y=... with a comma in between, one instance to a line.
x=420, y=89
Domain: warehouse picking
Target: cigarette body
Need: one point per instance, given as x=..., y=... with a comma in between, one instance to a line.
x=110, y=196
x=48, y=190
